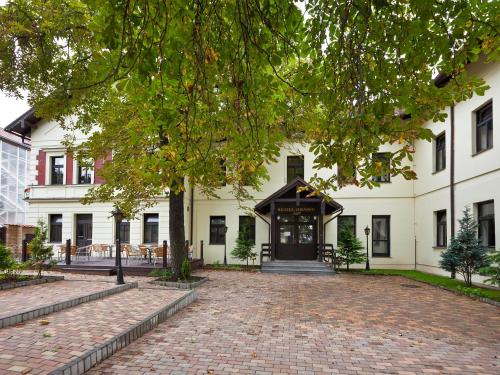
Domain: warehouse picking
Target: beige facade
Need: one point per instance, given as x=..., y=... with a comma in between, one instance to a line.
x=410, y=206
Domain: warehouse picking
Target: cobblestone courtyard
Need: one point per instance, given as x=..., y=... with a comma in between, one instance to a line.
x=346, y=324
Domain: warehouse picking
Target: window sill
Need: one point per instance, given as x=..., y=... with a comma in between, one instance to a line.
x=439, y=247
x=381, y=256
x=482, y=151
x=216, y=244
x=436, y=172
x=383, y=182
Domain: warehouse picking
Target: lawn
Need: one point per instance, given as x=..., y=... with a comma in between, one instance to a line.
x=442, y=281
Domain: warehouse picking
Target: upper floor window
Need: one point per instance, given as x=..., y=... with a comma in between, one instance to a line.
x=346, y=176
x=223, y=172
x=56, y=170
x=382, y=162
x=84, y=174
x=55, y=228
x=484, y=128
x=486, y=223
x=294, y=167
x=217, y=230
x=247, y=228
x=441, y=232
x=150, y=228
x=440, y=152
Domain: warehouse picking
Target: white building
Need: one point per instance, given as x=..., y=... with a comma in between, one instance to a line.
x=410, y=220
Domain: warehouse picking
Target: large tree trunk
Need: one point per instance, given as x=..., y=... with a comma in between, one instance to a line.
x=176, y=229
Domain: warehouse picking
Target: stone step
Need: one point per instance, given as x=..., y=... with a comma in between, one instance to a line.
x=311, y=267
x=73, y=340
x=89, y=271
x=295, y=265
x=289, y=271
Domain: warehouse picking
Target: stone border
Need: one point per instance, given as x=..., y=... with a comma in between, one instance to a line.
x=180, y=285
x=49, y=309
x=96, y=355
x=43, y=280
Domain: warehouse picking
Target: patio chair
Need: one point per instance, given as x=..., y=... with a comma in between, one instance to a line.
x=158, y=254
x=144, y=251
x=126, y=248
x=135, y=253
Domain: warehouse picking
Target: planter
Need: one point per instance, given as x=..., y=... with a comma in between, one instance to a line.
x=35, y=281
x=191, y=284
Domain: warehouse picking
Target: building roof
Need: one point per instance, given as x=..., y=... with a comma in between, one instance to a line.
x=14, y=139
x=299, y=188
x=24, y=123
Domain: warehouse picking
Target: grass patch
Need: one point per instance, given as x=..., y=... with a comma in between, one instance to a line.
x=231, y=267
x=14, y=278
x=442, y=281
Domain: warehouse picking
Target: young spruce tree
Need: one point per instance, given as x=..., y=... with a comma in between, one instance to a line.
x=244, y=245
x=350, y=248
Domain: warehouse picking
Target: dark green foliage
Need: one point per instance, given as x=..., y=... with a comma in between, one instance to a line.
x=41, y=253
x=162, y=273
x=349, y=251
x=493, y=270
x=244, y=245
x=186, y=270
x=465, y=253
x=7, y=262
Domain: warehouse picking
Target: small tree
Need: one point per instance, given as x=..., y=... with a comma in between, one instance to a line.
x=7, y=262
x=349, y=251
x=40, y=251
x=244, y=245
x=465, y=253
x=493, y=270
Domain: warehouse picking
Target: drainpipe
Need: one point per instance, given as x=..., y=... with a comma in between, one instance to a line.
x=452, y=175
x=191, y=216
x=268, y=224
x=326, y=222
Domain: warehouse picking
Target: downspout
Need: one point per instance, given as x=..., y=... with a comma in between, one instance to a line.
x=452, y=175
x=268, y=225
x=191, y=216
x=326, y=222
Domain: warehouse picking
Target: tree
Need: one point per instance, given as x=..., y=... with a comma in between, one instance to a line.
x=7, y=262
x=349, y=248
x=171, y=88
x=41, y=253
x=492, y=270
x=244, y=245
x=465, y=253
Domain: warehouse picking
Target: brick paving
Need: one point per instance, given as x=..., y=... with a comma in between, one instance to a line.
x=345, y=324
x=17, y=300
x=42, y=345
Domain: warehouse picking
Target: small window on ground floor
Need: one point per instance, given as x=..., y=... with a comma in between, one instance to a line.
x=441, y=231
x=151, y=222
x=486, y=223
x=381, y=236
x=55, y=228
x=125, y=232
x=217, y=230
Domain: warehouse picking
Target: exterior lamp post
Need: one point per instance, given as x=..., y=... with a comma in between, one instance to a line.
x=367, y=232
x=225, y=242
x=118, y=215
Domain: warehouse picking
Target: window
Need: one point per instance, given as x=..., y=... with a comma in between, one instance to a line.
x=346, y=176
x=249, y=223
x=382, y=161
x=484, y=128
x=223, y=172
x=84, y=174
x=440, y=144
x=125, y=232
x=294, y=167
x=346, y=222
x=150, y=228
x=56, y=170
x=441, y=233
x=55, y=229
x=381, y=236
x=486, y=223
x=217, y=230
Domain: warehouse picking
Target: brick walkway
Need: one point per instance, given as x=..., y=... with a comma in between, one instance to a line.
x=346, y=324
x=38, y=348
x=14, y=301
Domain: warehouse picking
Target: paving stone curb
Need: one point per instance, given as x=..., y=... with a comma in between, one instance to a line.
x=96, y=355
x=43, y=280
x=175, y=284
x=49, y=309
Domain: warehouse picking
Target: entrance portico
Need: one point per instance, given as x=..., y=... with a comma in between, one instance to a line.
x=297, y=220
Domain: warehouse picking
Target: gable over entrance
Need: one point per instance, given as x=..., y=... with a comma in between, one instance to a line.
x=297, y=213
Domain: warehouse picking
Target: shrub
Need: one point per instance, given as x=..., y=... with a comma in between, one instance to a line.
x=162, y=273
x=244, y=245
x=492, y=270
x=465, y=254
x=185, y=270
x=349, y=251
x=41, y=253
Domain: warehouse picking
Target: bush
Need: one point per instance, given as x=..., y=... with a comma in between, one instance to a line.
x=7, y=262
x=349, y=251
x=244, y=245
x=186, y=270
x=41, y=253
x=162, y=273
x=492, y=270
x=465, y=254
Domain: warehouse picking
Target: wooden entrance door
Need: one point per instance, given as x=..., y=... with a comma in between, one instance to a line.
x=296, y=237
x=83, y=230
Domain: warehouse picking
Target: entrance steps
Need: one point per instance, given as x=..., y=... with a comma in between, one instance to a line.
x=309, y=267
